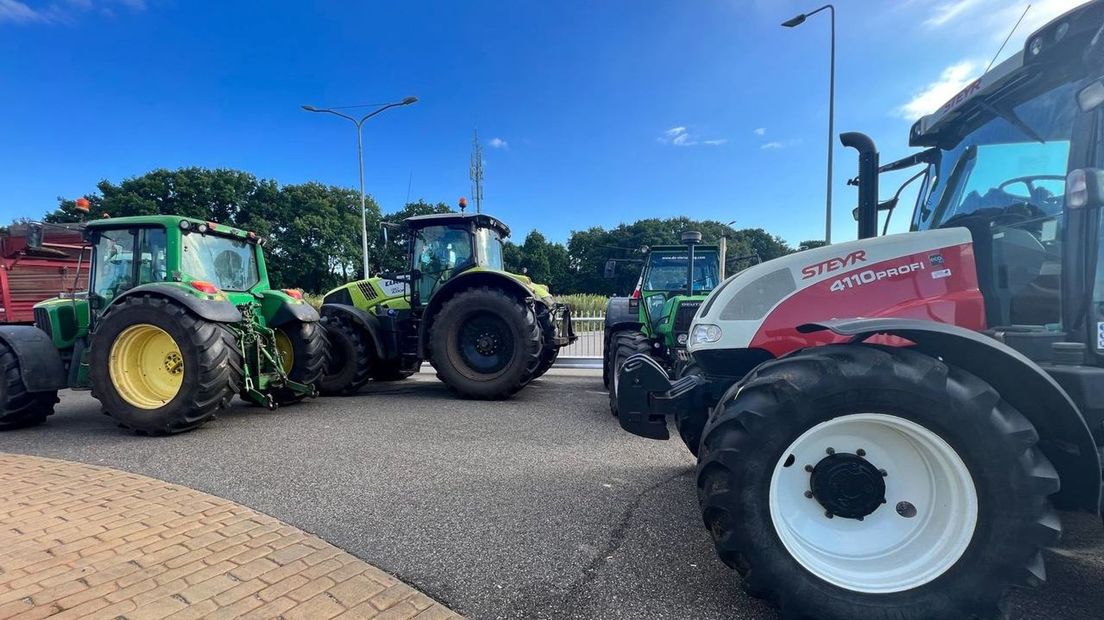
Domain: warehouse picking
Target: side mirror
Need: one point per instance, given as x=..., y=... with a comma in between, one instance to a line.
x=34, y=235
x=888, y=205
x=1091, y=97
x=1085, y=189
x=610, y=270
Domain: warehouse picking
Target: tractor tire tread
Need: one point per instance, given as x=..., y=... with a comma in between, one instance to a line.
x=758, y=417
x=20, y=408
x=219, y=379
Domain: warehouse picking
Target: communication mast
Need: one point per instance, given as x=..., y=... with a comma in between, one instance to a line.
x=475, y=171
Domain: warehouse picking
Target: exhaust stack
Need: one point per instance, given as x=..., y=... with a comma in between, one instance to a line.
x=867, y=212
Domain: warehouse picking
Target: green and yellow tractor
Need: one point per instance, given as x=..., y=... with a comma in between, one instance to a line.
x=486, y=331
x=179, y=317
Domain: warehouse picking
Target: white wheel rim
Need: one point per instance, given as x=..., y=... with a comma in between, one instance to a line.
x=885, y=551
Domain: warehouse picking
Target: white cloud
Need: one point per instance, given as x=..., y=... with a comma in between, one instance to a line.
x=953, y=79
x=950, y=11
x=19, y=12
x=680, y=136
x=498, y=143
x=761, y=131
x=779, y=144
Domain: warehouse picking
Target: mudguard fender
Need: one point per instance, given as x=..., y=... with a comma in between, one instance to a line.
x=39, y=361
x=1063, y=434
x=366, y=321
x=219, y=311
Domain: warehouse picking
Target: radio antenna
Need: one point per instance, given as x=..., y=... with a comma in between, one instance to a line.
x=1006, y=39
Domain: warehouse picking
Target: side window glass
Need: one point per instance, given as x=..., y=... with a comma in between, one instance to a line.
x=114, y=263
x=151, y=252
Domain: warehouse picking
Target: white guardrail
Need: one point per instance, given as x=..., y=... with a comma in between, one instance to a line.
x=587, y=351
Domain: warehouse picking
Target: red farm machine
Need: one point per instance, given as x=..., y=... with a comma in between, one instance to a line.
x=33, y=269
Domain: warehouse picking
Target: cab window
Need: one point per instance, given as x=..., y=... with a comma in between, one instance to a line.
x=439, y=251
x=128, y=258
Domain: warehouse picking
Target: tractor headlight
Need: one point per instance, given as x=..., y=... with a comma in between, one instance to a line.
x=705, y=334
x=682, y=339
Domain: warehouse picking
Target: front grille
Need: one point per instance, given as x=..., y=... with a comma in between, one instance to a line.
x=367, y=289
x=42, y=321
x=684, y=315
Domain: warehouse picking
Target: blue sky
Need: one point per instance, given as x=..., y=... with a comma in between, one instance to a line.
x=590, y=113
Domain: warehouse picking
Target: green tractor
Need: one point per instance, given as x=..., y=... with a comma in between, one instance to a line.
x=178, y=318
x=486, y=331
x=655, y=319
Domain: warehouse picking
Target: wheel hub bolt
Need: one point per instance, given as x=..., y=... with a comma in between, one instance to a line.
x=809, y=468
x=809, y=494
x=906, y=509
x=860, y=452
x=828, y=513
x=883, y=472
x=832, y=451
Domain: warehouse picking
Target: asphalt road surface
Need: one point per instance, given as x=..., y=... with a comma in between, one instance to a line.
x=537, y=507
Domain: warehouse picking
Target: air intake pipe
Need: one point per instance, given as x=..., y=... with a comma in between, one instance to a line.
x=867, y=212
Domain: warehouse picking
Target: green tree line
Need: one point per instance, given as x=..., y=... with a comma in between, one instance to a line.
x=313, y=239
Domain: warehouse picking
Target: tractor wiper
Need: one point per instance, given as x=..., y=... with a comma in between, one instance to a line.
x=1013, y=119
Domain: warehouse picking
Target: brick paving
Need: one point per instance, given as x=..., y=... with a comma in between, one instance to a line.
x=79, y=541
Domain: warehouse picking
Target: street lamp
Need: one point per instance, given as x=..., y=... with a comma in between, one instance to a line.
x=360, y=159
x=797, y=21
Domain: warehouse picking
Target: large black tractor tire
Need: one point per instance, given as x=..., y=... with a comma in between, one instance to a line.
x=607, y=360
x=18, y=407
x=625, y=344
x=691, y=421
x=161, y=336
x=485, y=344
x=308, y=352
x=352, y=356
x=859, y=417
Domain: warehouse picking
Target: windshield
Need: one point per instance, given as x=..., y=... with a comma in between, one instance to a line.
x=667, y=271
x=1000, y=170
x=228, y=263
x=1005, y=182
x=489, y=246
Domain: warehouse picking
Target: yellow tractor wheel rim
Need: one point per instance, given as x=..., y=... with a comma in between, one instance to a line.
x=146, y=366
x=285, y=349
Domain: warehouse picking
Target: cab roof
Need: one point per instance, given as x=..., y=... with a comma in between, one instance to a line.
x=481, y=220
x=168, y=221
x=1053, y=50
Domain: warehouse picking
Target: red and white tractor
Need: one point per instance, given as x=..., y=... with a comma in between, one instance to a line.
x=892, y=421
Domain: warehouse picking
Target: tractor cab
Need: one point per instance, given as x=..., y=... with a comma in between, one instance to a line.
x=673, y=282
x=998, y=161
x=446, y=244
x=206, y=256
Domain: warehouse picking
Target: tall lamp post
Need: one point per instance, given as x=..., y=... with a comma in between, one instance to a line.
x=360, y=160
x=797, y=21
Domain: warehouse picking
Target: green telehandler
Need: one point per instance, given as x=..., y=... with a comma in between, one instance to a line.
x=486, y=331
x=178, y=318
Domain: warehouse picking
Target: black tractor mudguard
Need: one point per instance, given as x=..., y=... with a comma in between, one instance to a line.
x=366, y=321
x=39, y=361
x=621, y=313
x=646, y=395
x=1063, y=434
x=218, y=311
x=291, y=312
